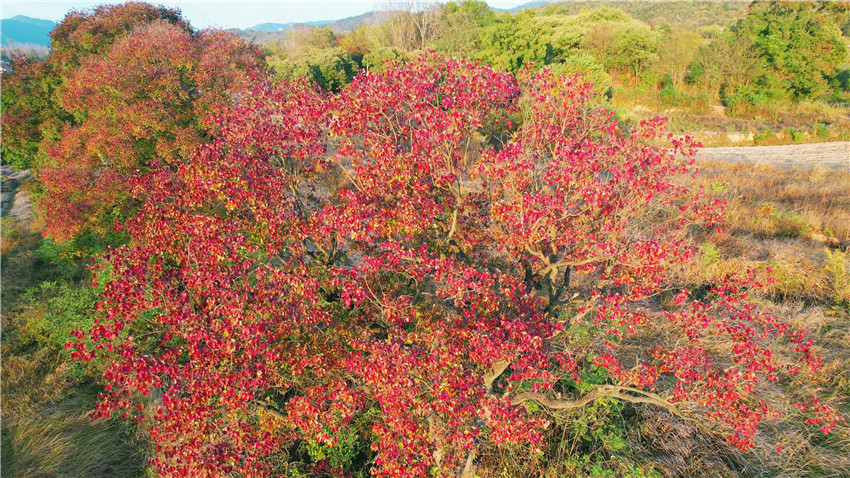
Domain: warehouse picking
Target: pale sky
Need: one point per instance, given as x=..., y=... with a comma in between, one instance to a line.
x=225, y=14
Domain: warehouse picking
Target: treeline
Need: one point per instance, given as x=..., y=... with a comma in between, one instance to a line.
x=30, y=50
x=684, y=55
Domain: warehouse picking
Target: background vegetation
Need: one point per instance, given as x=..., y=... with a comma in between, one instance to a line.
x=768, y=72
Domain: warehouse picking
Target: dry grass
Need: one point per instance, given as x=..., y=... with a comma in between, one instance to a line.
x=46, y=428
x=796, y=222
x=46, y=431
x=684, y=449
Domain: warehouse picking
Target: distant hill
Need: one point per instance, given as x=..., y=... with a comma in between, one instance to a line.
x=270, y=27
x=279, y=27
x=534, y=4
x=269, y=32
x=21, y=30
x=351, y=23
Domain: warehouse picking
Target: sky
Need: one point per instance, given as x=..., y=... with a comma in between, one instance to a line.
x=225, y=14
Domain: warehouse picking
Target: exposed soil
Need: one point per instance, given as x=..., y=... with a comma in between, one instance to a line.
x=824, y=155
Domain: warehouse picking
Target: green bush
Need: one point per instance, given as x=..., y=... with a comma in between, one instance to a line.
x=710, y=253
x=764, y=137
x=839, y=274
x=331, y=69
x=697, y=103
x=761, y=98
x=374, y=60
x=585, y=64
x=792, y=224
x=351, y=455
x=53, y=310
x=597, y=443
x=796, y=136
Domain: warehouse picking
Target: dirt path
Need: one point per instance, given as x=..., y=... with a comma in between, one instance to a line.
x=14, y=201
x=826, y=155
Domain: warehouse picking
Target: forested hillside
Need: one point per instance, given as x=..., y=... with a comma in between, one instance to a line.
x=686, y=15
x=26, y=30
x=455, y=243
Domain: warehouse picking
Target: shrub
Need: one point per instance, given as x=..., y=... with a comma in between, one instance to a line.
x=330, y=69
x=274, y=293
x=796, y=136
x=710, y=253
x=586, y=65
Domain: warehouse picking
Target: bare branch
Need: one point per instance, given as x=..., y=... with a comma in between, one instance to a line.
x=628, y=394
x=454, y=224
x=499, y=367
x=267, y=409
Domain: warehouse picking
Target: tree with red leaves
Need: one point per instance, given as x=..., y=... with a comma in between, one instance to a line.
x=431, y=250
x=124, y=85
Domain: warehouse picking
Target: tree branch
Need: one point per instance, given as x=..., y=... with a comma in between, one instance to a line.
x=628, y=394
x=499, y=367
x=271, y=411
x=454, y=225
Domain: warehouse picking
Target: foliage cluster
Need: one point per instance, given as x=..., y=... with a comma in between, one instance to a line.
x=123, y=85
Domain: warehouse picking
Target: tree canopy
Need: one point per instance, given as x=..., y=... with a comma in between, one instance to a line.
x=800, y=41
x=124, y=85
